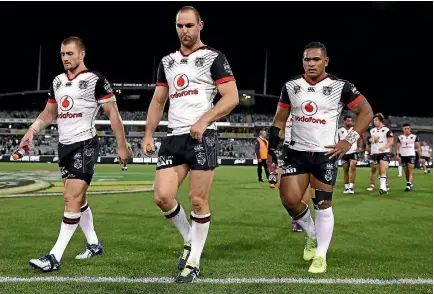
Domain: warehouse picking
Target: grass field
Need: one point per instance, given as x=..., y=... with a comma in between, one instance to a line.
x=384, y=238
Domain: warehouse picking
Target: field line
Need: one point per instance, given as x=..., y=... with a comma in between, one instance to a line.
x=87, y=193
x=167, y=280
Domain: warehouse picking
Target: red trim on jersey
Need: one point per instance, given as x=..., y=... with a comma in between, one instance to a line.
x=355, y=101
x=83, y=71
x=284, y=105
x=51, y=100
x=106, y=97
x=312, y=83
x=162, y=84
x=224, y=80
x=186, y=55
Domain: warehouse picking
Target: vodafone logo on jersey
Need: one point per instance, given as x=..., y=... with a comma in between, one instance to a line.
x=66, y=103
x=180, y=82
x=309, y=107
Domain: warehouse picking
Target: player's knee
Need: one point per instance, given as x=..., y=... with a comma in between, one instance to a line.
x=163, y=200
x=198, y=201
x=322, y=200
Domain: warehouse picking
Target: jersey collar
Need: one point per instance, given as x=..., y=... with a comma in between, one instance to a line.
x=312, y=83
x=83, y=71
x=199, y=48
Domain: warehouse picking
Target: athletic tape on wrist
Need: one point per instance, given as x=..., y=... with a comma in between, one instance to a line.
x=352, y=137
x=273, y=138
x=38, y=125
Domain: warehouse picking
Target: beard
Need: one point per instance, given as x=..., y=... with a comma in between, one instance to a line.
x=188, y=41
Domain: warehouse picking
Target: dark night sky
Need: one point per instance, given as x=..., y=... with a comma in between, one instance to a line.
x=384, y=48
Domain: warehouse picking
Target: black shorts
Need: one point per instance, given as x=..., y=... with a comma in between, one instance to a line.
x=183, y=149
x=348, y=157
x=382, y=157
x=426, y=158
x=317, y=164
x=78, y=160
x=408, y=159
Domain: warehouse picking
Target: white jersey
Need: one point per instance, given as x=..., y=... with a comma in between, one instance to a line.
x=379, y=137
x=78, y=101
x=342, y=134
x=407, y=147
x=288, y=127
x=315, y=110
x=425, y=151
x=192, y=81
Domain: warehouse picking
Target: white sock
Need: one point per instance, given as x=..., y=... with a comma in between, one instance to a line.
x=67, y=229
x=383, y=181
x=351, y=185
x=178, y=218
x=400, y=170
x=324, y=224
x=347, y=186
x=86, y=224
x=199, y=228
x=306, y=222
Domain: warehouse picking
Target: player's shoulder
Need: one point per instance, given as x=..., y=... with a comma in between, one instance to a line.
x=341, y=129
x=294, y=79
x=345, y=83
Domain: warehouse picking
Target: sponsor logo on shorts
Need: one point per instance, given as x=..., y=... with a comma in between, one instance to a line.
x=201, y=159
x=288, y=170
x=164, y=160
x=328, y=175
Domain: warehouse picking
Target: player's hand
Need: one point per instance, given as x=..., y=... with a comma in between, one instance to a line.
x=197, y=130
x=381, y=149
x=398, y=157
x=339, y=149
x=148, y=146
x=28, y=138
x=124, y=154
x=259, y=160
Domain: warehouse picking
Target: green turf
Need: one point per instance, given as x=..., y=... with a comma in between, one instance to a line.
x=375, y=237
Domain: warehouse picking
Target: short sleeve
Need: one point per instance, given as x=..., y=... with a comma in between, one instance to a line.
x=51, y=95
x=221, y=71
x=104, y=91
x=161, y=76
x=284, y=98
x=398, y=140
x=389, y=133
x=350, y=95
x=416, y=139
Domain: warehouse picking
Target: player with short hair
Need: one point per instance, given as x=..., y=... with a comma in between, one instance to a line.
x=75, y=98
x=190, y=78
x=350, y=158
x=406, y=147
x=315, y=101
x=425, y=150
x=381, y=143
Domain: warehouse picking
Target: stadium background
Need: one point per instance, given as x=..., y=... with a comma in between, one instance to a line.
x=373, y=45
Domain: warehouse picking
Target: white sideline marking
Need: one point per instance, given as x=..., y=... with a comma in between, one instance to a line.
x=167, y=280
x=88, y=193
